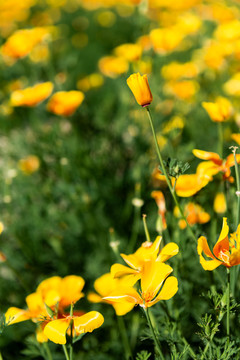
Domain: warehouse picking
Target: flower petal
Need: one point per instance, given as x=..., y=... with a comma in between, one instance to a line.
x=207, y=155
x=153, y=275
x=168, y=251
x=124, y=294
x=222, y=244
x=203, y=247
x=169, y=289
x=14, y=315
x=119, y=270
x=88, y=322
x=56, y=330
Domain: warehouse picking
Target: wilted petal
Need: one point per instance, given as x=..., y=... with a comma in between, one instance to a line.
x=203, y=247
x=56, y=330
x=88, y=322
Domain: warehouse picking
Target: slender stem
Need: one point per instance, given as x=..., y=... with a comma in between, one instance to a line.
x=71, y=328
x=238, y=186
x=154, y=334
x=123, y=332
x=146, y=228
x=228, y=305
x=48, y=352
x=172, y=190
x=65, y=352
x=220, y=139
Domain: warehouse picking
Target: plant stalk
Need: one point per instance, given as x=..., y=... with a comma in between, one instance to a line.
x=172, y=190
x=228, y=305
x=123, y=332
x=153, y=333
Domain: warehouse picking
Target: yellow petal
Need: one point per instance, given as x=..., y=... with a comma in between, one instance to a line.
x=35, y=303
x=168, y=290
x=132, y=261
x=203, y=247
x=207, y=155
x=88, y=322
x=123, y=295
x=168, y=251
x=123, y=308
x=14, y=315
x=153, y=275
x=140, y=88
x=93, y=297
x=148, y=250
x=71, y=290
x=56, y=330
x=119, y=270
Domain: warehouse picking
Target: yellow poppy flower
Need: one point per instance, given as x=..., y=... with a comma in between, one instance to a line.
x=155, y=286
x=148, y=251
x=113, y=66
x=56, y=330
x=31, y=96
x=220, y=110
x=225, y=252
x=131, y=52
x=140, y=88
x=65, y=103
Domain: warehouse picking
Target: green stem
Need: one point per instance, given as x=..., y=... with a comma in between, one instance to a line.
x=47, y=350
x=228, y=305
x=65, y=352
x=172, y=190
x=154, y=334
x=71, y=327
x=238, y=187
x=146, y=228
x=123, y=332
x=220, y=139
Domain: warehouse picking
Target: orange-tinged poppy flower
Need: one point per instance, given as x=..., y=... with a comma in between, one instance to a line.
x=155, y=286
x=215, y=164
x=65, y=103
x=220, y=204
x=140, y=88
x=236, y=137
x=220, y=110
x=160, y=201
x=194, y=213
x=225, y=252
x=105, y=285
x=148, y=251
x=166, y=39
x=29, y=165
x=56, y=330
x=31, y=96
x=63, y=291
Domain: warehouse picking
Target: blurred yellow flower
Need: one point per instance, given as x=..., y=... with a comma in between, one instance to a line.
x=113, y=66
x=20, y=43
x=165, y=39
x=220, y=204
x=65, y=103
x=176, y=70
x=220, y=110
x=194, y=214
x=131, y=52
x=225, y=252
x=183, y=89
x=236, y=137
x=55, y=330
x=232, y=86
x=91, y=81
x=31, y=96
x=140, y=88
x=29, y=164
